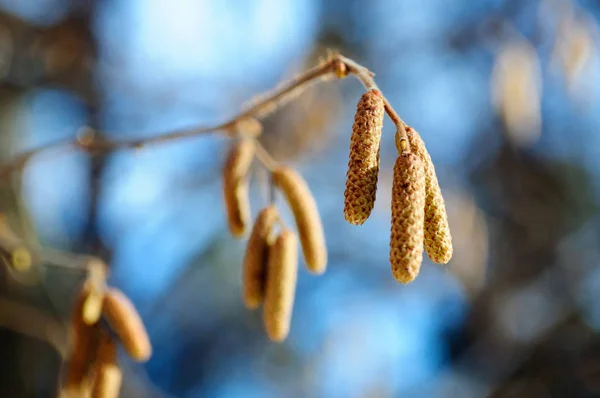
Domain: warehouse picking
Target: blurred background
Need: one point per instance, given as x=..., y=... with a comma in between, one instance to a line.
x=504, y=92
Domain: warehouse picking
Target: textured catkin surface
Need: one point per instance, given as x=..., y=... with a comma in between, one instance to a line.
x=235, y=185
x=363, y=163
x=408, y=204
x=255, y=258
x=127, y=324
x=438, y=241
x=281, y=285
x=307, y=217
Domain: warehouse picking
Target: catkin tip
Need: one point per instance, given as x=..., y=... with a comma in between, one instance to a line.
x=363, y=163
x=281, y=285
x=127, y=324
x=235, y=185
x=438, y=240
x=255, y=258
x=306, y=215
x=108, y=373
x=408, y=202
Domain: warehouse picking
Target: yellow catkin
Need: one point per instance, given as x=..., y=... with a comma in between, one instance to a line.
x=235, y=185
x=124, y=319
x=82, y=351
x=306, y=214
x=109, y=376
x=438, y=241
x=281, y=285
x=408, y=204
x=255, y=259
x=363, y=163
x=92, y=307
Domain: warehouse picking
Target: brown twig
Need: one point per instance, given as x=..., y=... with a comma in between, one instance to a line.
x=335, y=65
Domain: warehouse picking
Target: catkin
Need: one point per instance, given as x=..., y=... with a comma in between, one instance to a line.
x=438, y=241
x=281, y=285
x=408, y=202
x=92, y=307
x=108, y=373
x=83, y=350
x=127, y=324
x=363, y=163
x=255, y=259
x=306, y=214
x=235, y=185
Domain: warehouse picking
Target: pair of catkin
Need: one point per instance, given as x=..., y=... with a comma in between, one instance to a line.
x=419, y=217
x=270, y=273
x=92, y=367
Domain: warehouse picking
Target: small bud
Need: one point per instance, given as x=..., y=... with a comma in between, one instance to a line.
x=281, y=285
x=255, y=259
x=306, y=214
x=408, y=202
x=235, y=185
x=21, y=259
x=363, y=163
x=127, y=324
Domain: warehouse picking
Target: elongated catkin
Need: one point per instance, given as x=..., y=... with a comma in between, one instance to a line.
x=408, y=211
x=124, y=319
x=255, y=259
x=108, y=373
x=92, y=307
x=281, y=285
x=307, y=217
x=438, y=241
x=363, y=163
x=235, y=185
x=83, y=351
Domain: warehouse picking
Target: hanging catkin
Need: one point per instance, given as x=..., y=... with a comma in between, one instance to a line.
x=82, y=355
x=92, y=307
x=108, y=373
x=307, y=217
x=281, y=285
x=235, y=185
x=363, y=163
x=255, y=259
x=438, y=241
x=124, y=319
x=408, y=203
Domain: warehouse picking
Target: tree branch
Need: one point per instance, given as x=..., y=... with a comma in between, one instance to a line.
x=335, y=65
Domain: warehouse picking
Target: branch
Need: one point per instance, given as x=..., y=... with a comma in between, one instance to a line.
x=335, y=66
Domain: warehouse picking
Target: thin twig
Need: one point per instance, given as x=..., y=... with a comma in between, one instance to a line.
x=365, y=76
x=261, y=108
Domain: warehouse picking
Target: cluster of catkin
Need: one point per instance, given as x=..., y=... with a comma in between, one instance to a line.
x=419, y=217
x=270, y=264
x=102, y=318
